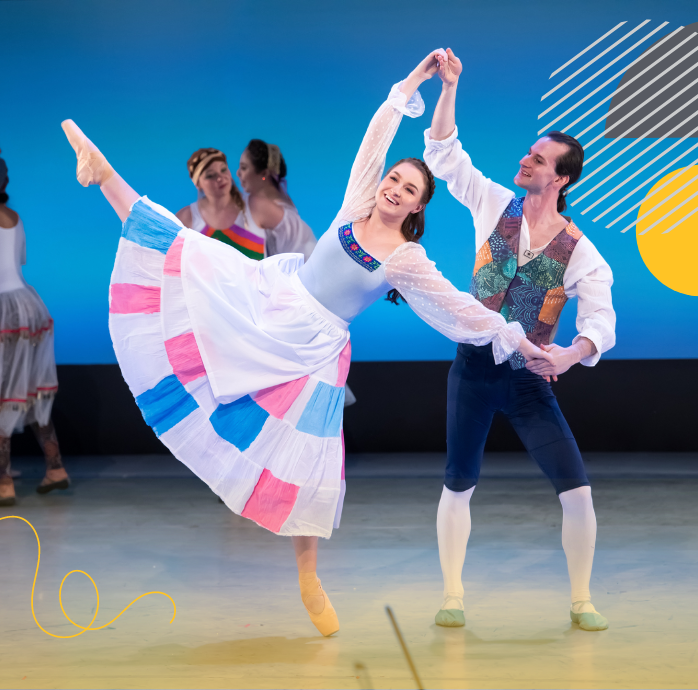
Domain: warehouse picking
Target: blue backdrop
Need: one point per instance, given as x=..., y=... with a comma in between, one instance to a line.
x=150, y=82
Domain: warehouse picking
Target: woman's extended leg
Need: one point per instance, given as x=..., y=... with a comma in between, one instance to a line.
x=315, y=599
x=93, y=168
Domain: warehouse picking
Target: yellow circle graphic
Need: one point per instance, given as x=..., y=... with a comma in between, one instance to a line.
x=671, y=256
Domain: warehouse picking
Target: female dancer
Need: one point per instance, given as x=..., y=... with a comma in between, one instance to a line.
x=28, y=381
x=239, y=365
x=220, y=212
x=262, y=174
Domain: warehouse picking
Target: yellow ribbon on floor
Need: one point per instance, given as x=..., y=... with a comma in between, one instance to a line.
x=60, y=593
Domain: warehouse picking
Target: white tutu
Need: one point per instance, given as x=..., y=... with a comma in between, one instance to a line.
x=237, y=369
x=28, y=381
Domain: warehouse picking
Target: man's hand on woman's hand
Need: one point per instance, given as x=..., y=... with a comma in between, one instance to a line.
x=538, y=358
x=562, y=359
x=450, y=67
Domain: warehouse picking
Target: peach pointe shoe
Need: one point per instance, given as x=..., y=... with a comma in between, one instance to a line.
x=317, y=603
x=92, y=165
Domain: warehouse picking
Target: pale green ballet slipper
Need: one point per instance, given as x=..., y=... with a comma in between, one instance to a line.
x=587, y=617
x=451, y=617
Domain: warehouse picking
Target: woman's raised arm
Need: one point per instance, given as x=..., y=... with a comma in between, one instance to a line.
x=366, y=173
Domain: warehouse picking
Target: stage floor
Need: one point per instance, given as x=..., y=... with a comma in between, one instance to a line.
x=137, y=524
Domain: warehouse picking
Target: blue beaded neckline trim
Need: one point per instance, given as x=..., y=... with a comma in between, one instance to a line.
x=352, y=247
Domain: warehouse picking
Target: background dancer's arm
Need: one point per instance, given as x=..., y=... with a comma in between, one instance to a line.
x=457, y=315
x=367, y=171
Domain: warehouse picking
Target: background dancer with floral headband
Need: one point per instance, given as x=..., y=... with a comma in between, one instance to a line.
x=262, y=174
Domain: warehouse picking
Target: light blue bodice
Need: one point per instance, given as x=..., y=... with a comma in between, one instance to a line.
x=341, y=275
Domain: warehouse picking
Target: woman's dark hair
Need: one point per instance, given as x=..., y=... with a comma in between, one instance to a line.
x=4, y=179
x=258, y=151
x=413, y=225
x=569, y=163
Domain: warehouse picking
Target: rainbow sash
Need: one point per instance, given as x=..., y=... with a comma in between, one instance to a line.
x=244, y=241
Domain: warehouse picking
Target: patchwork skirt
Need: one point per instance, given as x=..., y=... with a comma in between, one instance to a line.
x=236, y=367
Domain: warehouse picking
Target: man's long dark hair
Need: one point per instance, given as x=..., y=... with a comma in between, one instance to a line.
x=569, y=163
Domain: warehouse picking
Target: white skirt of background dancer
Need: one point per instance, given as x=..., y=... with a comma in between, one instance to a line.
x=28, y=380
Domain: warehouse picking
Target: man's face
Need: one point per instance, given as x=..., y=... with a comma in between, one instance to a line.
x=537, y=167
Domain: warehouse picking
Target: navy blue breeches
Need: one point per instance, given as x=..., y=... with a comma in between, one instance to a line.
x=477, y=388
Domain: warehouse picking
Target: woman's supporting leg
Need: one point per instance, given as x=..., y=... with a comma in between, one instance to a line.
x=7, y=486
x=315, y=599
x=453, y=531
x=56, y=476
x=306, y=554
x=93, y=168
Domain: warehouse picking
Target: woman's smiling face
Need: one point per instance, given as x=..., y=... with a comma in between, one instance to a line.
x=401, y=191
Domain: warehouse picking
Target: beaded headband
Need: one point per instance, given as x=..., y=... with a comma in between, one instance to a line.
x=200, y=161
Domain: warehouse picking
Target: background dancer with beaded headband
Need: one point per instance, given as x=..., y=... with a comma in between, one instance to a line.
x=239, y=365
x=220, y=211
x=28, y=380
x=529, y=261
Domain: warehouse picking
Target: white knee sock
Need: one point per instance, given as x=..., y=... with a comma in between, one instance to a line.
x=578, y=539
x=453, y=530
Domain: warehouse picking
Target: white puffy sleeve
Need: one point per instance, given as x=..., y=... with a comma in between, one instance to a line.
x=367, y=170
x=458, y=315
x=589, y=278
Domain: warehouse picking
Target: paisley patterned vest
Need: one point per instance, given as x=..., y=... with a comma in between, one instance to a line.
x=532, y=294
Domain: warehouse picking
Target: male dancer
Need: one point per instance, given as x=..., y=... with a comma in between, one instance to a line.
x=529, y=261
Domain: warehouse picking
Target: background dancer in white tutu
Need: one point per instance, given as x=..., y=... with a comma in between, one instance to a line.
x=239, y=365
x=28, y=380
